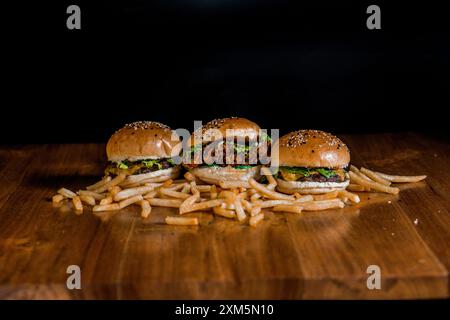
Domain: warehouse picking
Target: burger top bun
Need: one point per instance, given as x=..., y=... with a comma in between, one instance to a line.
x=217, y=129
x=142, y=140
x=312, y=149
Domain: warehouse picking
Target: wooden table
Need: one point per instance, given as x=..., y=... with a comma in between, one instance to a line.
x=313, y=255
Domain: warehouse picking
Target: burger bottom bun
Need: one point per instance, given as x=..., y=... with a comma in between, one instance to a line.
x=157, y=176
x=309, y=187
x=215, y=175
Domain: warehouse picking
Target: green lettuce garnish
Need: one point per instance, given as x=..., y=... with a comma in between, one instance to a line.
x=151, y=163
x=297, y=170
x=171, y=161
x=243, y=167
x=211, y=165
x=327, y=173
x=122, y=165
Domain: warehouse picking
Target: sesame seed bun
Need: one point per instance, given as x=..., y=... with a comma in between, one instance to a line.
x=240, y=127
x=142, y=140
x=312, y=149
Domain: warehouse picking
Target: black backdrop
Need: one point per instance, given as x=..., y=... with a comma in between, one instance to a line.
x=284, y=64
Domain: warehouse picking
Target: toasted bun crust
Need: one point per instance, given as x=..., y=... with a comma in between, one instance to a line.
x=217, y=130
x=142, y=140
x=216, y=174
x=307, y=187
x=312, y=149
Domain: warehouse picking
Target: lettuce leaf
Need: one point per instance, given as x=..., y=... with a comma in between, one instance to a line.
x=327, y=173
x=243, y=167
x=151, y=163
x=298, y=170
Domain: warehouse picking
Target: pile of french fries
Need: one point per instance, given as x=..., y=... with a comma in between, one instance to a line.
x=367, y=180
x=241, y=200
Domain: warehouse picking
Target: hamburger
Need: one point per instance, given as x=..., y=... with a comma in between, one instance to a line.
x=226, y=149
x=312, y=162
x=143, y=151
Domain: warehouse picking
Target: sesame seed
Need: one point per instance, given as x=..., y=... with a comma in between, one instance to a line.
x=145, y=125
x=303, y=137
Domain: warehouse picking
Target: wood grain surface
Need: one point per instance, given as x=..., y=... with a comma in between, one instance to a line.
x=315, y=255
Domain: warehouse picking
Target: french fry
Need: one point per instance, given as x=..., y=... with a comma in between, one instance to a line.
x=57, y=198
x=240, y=214
x=201, y=206
x=177, y=187
x=233, y=184
x=272, y=203
x=400, y=179
x=269, y=193
x=288, y=208
x=99, y=184
x=375, y=177
x=224, y=212
x=95, y=195
x=255, y=197
x=255, y=210
x=88, y=199
x=182, y=221
x=167, y=183
x=204, y=188
x=77, y=203
x=174, y=194
x=358, y=172
x=117, y=180
x=304, y=198
x=372, y=184
x=322, y=205
x=67, y=193
x=108, y=207
x=189, y=202
x=272, y=182
x=256, y=219
x=151, y=194
x=344, y=194
x=242, y=195
x=357, y=187
x=171, y=203
x=146, y=209
x=131, y=200
x=114, y=190
x=194, y=189
x=213, y=192
x=107, y=200
x=186, y=189
x=189, y=176
x=325, y=196
x=127, y=193
x=248, y=206
x=227, y=194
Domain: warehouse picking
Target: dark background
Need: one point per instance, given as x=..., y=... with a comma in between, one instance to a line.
x=283, y=64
